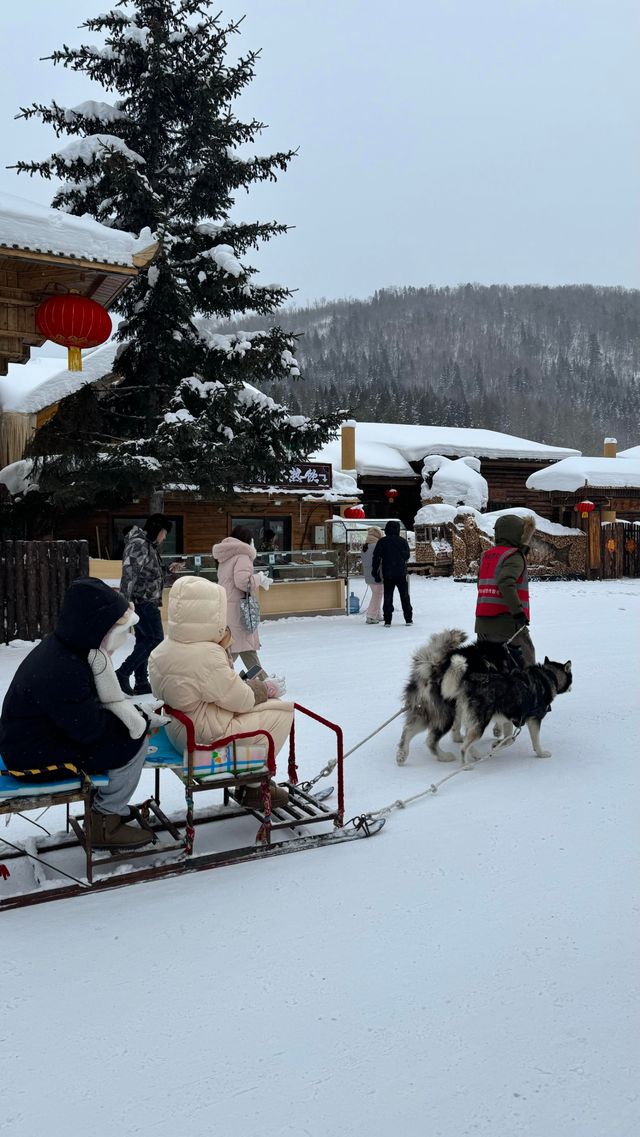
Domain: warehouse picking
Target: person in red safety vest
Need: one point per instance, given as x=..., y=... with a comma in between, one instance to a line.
x=503, y=586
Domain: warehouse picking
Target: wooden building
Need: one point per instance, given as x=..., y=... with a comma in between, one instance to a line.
x=46, y=252
x=386, y=456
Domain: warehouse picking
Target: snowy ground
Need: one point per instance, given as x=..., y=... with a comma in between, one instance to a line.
x=471, y=971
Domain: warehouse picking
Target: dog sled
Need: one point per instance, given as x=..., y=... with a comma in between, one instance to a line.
x=56, y=866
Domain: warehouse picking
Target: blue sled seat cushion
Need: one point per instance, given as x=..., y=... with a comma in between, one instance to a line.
x=11, y=787
x=217, y=760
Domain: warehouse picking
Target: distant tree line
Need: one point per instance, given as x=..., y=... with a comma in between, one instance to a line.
x=560, y=365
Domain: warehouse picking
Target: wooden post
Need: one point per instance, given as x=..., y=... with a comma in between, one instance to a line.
x=46, y=619
x=61, y=572
x=31, y=553
x=3, y=593
x=20, y=589
x=10, y=594
x=594, y=546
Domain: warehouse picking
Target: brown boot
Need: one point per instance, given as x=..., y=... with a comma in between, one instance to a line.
x=108, y=831
x=251, y=796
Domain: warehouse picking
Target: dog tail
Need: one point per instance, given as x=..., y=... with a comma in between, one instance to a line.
x=436, y=651
x=453, y=676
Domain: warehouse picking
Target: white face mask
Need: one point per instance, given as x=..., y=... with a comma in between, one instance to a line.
x=117, y=635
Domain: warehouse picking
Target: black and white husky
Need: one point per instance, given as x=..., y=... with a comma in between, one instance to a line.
x=452, y=686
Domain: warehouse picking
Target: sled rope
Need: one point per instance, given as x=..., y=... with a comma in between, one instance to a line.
x=330, y=767
x=402, y=803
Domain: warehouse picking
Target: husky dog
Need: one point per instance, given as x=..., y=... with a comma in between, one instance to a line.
x=524, y=696
x=425, y=706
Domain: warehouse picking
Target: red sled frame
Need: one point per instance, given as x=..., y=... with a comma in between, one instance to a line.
x=302, y=810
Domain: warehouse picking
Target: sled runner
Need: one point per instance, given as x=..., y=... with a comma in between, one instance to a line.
x=51, y=862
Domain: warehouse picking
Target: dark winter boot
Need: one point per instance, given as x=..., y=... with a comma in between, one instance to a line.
x=124, y=681
x=142, y=687
x=251, y=796
x=108, y=831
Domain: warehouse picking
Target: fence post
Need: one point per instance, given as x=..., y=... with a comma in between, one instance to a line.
x=21, y=597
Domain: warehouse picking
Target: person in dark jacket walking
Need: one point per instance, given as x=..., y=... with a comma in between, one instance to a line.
x=53, y=714
x=502, y=608
x=142, y=583
x=390, y=558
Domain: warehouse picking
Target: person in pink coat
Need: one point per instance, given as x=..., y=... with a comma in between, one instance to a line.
x=235, y=556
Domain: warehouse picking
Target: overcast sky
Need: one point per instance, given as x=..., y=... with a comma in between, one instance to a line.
x=441, y=141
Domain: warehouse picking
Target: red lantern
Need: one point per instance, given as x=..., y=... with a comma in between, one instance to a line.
x=584, y=508
x=354, y=511
x=75, y=322
x=391, y=495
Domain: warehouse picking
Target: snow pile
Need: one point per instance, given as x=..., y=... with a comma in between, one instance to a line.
x=573, y=474
x=26, y=225
x=17, y=477
x=632, y=452
x=435, y=514
x=457, y=481
x=95, y=147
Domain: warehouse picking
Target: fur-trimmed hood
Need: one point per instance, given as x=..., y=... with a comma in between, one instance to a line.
x=511, y=529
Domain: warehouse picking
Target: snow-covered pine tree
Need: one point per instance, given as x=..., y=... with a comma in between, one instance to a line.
x=168, y=153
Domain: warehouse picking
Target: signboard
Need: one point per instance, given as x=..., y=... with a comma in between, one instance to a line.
x=306, y=475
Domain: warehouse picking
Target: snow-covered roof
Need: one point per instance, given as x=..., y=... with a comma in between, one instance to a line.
x=578, y=473
x=30, y=387
x=632, y=452
x=385, y=449
x=39, y=229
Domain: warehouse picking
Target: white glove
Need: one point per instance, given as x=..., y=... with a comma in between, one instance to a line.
x=278, y=686
x=264, y=581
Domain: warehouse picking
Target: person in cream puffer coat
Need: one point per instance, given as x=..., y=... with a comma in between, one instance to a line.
x=191, y=671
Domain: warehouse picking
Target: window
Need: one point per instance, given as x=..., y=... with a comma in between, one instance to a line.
x=270, y=534
x=122, y=525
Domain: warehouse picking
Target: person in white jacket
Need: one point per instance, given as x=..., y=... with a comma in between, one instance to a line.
x=191, y=671
x=374, y=611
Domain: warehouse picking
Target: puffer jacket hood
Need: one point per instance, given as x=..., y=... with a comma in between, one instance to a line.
x=392, y=528
x=514, y=530
x=197, y=611
x=89, y=610
x=232, y=547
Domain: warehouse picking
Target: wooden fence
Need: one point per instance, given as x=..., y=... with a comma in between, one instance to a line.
x=34, y=576
x=620, y=549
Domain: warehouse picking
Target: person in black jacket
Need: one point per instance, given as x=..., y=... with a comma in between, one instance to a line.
x=52, y=713
x=390, y=558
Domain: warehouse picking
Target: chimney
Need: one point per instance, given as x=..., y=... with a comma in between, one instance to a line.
x=610, y=448
x=348, y=447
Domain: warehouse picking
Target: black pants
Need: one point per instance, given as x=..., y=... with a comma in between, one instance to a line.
x=149, y=634
x=401, y=583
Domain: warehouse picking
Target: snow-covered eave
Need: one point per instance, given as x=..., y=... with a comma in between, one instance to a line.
x=303, y=495
x=33, y=231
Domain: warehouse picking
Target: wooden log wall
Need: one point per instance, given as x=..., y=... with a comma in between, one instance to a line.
x=34, y=576
x=204, y=522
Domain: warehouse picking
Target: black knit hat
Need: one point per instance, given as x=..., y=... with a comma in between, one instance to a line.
x=154, y=524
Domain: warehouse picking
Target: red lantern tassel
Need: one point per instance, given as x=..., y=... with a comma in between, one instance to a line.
x=74, y=359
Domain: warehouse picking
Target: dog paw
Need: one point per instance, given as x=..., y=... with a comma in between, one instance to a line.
x=543, y=753
x=401, y=758
x=445, y=756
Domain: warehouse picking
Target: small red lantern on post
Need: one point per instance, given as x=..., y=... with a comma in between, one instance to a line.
x=75, y=322
x=584, y=508
x=354, y=511
x=391, y=495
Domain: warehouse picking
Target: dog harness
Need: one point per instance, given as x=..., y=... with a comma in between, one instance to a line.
x=490, y=601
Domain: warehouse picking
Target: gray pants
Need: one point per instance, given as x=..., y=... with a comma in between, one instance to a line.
x=114, y=797
x=523, y=641
x=250, y=659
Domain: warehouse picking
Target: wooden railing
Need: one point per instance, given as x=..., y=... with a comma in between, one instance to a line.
x=34, y=576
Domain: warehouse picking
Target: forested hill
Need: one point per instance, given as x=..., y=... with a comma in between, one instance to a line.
x=560, y=365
